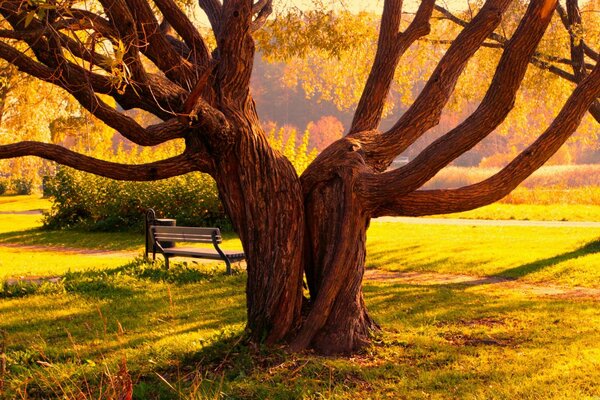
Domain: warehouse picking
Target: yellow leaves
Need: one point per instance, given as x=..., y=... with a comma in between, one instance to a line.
x=39, y=9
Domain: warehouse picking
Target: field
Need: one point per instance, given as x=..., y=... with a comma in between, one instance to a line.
x=453, y=326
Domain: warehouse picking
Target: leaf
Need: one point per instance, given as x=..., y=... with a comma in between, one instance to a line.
x=29, y=17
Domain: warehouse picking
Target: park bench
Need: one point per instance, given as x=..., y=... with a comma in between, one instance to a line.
x=164, y=239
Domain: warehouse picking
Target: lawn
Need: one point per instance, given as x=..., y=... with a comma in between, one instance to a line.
x=180, y=332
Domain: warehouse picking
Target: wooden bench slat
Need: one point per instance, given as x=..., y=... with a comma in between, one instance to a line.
x=185, y=229
x=184, y=238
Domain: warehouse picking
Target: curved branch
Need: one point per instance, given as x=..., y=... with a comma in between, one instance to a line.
x=427, y=108
x=155, y=45
x=213, y=10
x=66, y=75
x=390, y=48
x=123, y=22
x=184, y=27
x=430, y=202
x=541, y=60
x=495, y=106
x=263, y=8
x=163, y=169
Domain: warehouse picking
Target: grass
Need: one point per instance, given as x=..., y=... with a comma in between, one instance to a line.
x=23, y=203
x=180, y=332
x=567, y=256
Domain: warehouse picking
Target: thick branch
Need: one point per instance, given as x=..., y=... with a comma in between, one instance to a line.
x=495, y=106
x=390, y=47
x=543, y=61
x=236, y=51
x=427, y=108
x=123, y=22
x=262, y=9
x=184, y=27
x=213, y=10
x=499, y=185
x=87, y=98
x=155, y=45
x=163, y=169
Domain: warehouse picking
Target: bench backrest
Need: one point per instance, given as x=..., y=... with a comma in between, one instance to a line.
x=185, y=234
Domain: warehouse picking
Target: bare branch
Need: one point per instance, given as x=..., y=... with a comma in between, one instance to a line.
x=213, y=10
x=123, y=22
x=155, y=45
x=163, y=169
x=427, y=108
x=390, y=47
x=184, y=27
x=495, y=106
x=544, y=61
x=263, y=9
x=430, y=202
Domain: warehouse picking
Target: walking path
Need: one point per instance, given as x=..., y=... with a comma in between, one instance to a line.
x=373, y=275
x=71, y=250
x=439, y=279
x=488, y=222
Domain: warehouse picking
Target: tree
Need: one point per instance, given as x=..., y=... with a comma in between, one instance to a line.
x=289, y=225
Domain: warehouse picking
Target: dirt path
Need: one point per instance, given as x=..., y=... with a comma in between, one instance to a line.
x=411, y=278
x=490, y=282
x=488, y=222
x=70, y=250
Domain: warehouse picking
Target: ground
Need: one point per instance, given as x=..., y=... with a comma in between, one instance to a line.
x=479, y=312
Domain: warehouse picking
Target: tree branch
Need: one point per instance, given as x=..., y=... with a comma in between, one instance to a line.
x=236, y=51
x=81, y=90
x=155, y=45
x=213, y=10
x=262, y=9
x=184, y=27
x=427, y=108
x=390, y=48
x=430, y=202
x=123, y=22
x=543, y=61
x=163, y=169
x=493, y=109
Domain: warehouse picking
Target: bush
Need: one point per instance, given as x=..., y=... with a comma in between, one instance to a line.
x=100, y=204
x=3, y=186
x=22, y=186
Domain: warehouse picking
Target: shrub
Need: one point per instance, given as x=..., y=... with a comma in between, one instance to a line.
x=100, y=204
x=3, y=186
x=22, y=186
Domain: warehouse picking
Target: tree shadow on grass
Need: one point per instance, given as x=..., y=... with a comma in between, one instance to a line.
x=532, y=267
x=119, y=241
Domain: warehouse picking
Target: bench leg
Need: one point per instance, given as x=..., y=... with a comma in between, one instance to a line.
x=228, y=265
x=167, y=262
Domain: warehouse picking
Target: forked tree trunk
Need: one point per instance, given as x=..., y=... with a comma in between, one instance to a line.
x=286, y=232
x=336, y=236
x=336, y=224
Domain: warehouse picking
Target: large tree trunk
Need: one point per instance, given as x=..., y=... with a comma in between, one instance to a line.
x=261, y=192
x=336, y=224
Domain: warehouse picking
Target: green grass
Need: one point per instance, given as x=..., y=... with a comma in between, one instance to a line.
x=567, y=256
x=182, y=330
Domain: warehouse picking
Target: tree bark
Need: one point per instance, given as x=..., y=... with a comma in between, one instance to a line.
x=261, y=193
